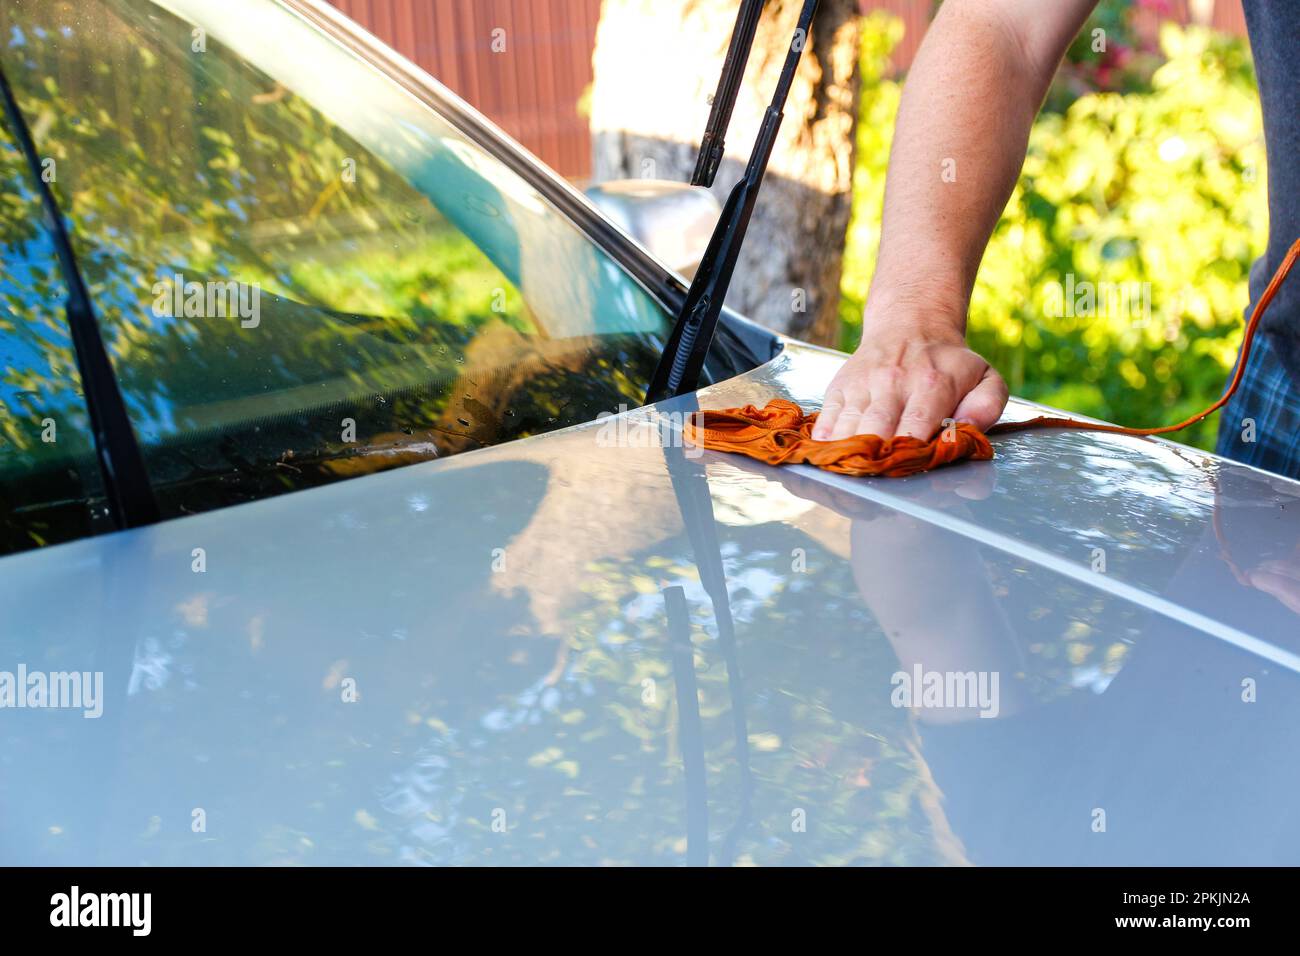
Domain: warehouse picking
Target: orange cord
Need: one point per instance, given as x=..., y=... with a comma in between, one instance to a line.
x=1274, y=284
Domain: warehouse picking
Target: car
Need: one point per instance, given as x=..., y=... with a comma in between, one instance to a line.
x=429, y=584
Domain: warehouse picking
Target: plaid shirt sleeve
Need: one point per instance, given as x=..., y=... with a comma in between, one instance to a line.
x=1260, y=425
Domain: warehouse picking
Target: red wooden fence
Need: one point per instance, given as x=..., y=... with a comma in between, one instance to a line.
x=523, y=63
x=532, y=87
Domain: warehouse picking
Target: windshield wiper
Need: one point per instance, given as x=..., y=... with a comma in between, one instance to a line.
x=713, y=145
x=683, y=356
x=121, y=464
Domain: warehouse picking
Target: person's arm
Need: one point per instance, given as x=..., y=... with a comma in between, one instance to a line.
x=963, y=125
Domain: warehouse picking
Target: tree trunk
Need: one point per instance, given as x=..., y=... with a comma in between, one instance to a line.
x=656, y=67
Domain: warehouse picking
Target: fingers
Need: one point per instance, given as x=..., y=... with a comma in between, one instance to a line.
x=927, y=407
x=884, y=394
x=846, y=423
x=830, y=413
x=841, y=416
x=983, y=405
x=881, y=416
x=875, y=408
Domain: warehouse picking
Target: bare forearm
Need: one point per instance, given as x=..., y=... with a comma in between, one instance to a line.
x=960, y=139
x=963, y=125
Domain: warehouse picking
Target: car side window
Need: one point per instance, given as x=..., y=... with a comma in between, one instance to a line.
x=50, y=488
x=302, y=272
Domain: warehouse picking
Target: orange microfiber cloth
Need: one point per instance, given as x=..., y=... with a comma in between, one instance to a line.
x=781, y=433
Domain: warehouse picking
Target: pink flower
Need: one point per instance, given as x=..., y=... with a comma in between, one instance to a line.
x=1163, y=8
x=1117, y=56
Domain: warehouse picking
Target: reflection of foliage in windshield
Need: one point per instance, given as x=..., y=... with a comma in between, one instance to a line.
x=39, y=375
x=176, y=163
x=46, y=455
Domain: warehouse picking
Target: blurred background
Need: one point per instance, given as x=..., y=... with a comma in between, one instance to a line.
x=1115, y=282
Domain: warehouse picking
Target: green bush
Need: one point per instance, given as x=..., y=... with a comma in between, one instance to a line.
x=1156, y=193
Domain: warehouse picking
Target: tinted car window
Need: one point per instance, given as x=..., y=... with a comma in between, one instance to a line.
x=49, y=478
x=302, y=272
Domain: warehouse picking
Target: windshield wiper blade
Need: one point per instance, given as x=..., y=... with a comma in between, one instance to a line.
x=713, y=145
x=121, y=464
x=688, y=343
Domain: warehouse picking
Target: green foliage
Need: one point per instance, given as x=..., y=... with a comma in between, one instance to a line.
x=876, y=111
x=1160, y=193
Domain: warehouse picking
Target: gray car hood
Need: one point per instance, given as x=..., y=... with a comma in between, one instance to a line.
x=587, y=648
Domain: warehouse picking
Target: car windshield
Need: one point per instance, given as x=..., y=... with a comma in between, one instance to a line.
x=301, y=270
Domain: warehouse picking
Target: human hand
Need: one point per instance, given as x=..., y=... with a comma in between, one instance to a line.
x=905, y=379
